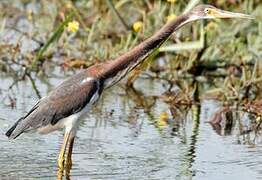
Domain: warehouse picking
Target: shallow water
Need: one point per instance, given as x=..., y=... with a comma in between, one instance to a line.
x=119, y=141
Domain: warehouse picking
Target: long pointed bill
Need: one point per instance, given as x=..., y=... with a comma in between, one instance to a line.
x=227, y=14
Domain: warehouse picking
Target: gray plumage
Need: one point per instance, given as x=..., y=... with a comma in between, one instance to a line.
x=68, y=98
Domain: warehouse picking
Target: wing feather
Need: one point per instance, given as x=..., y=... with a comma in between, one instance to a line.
x=68, y=98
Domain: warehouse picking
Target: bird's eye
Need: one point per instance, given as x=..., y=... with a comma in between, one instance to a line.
x=207, y=11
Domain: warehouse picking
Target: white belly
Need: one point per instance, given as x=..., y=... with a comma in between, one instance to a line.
x=70, y=122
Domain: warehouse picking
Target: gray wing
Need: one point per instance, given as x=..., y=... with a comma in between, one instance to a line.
x=68, y=98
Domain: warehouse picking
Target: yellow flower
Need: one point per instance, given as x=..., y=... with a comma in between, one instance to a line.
x=171, y=17
x=162, y=120
x=73, y=26
x=68, y=5
x=164, y=115
x=30, y=15
x=137, y=26
x=171, y=1
x=258, y=119
x=161, y=124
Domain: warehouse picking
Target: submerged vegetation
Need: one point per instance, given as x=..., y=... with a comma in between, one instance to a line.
x=218, y=60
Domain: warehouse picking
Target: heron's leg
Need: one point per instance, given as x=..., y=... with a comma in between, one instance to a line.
x=68, y=163
x=61, y=157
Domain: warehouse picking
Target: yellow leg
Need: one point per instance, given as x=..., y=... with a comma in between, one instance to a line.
x=61, y=157
x=68, y=163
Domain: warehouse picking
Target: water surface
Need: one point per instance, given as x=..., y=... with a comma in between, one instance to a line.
x=118, y=140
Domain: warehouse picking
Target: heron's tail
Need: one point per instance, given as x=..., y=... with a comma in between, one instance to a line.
x=20, y=126
x=11, y=134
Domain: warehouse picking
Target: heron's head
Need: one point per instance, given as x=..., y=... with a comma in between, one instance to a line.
x=211, y=12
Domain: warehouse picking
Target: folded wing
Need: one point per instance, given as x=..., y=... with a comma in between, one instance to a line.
x=68, y=98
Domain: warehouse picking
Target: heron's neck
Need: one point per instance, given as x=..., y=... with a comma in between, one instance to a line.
x=118, y=68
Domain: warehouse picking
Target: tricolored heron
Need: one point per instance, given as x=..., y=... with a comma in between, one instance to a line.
x=63, y=106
